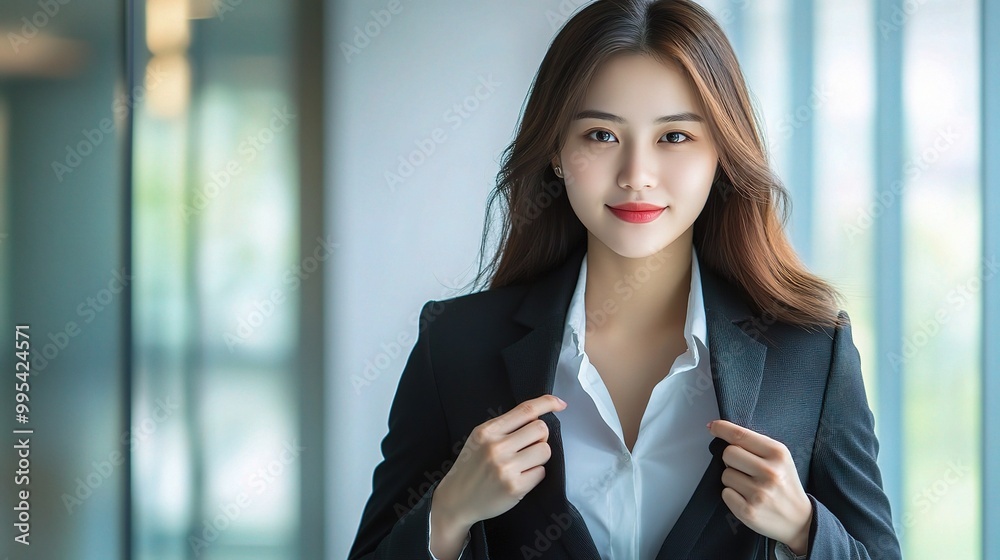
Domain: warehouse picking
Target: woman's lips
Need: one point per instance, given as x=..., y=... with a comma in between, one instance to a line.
x=636, y=216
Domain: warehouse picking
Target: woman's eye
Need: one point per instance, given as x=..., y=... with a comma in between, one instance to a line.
x=672, y=137
x=604, y=138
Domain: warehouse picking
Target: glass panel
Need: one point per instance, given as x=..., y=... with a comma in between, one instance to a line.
x=942, y=227
x=218, y=282
x=766, y=66
x=844, y=235
x=62, y=275
x=213, y=427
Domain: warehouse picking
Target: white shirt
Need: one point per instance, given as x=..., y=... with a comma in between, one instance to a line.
x=631, y=500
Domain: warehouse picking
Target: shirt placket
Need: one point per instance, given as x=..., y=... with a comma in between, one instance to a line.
x=624, y=506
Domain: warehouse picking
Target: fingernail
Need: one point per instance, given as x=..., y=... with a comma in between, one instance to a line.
x=709, y=425
x=560, y=400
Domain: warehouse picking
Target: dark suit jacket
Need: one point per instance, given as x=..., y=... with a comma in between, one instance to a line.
x=479, y=355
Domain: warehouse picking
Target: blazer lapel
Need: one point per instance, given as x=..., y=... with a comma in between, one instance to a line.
x=531, y=366
x=737, y=363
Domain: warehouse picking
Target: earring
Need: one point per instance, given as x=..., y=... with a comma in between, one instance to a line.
x=558, y=171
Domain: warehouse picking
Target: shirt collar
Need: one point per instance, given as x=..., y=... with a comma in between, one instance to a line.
x=695, y=323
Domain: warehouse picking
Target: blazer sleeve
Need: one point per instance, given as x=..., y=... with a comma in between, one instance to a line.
x=851, y=516
x=417, y=453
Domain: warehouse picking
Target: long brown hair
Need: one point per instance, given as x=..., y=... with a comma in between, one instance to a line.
x=739, y=233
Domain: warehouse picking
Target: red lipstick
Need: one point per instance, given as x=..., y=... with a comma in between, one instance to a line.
x=637, y=212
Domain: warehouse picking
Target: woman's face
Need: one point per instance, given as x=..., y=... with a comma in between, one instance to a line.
x=641, y=137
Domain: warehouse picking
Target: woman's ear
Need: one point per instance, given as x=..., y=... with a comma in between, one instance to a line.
x=556, y=168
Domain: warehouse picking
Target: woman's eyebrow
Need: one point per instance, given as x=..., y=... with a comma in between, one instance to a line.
x=679, y=117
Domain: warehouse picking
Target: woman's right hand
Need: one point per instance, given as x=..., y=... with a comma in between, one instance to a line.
x=499, y=464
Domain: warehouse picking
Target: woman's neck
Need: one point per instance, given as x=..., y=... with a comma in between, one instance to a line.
x=640, y=297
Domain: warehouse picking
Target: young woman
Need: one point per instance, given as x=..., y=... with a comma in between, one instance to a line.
x=652, y=373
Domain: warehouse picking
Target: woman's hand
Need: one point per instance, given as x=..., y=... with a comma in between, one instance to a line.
x=499, y=464
x=762, y=488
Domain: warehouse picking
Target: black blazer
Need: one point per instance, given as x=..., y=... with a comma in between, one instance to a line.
x=479, y=355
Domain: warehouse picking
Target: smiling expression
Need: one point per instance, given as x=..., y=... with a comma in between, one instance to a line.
x=641, y=137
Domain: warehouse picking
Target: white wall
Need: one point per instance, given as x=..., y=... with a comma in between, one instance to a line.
x=403, y=245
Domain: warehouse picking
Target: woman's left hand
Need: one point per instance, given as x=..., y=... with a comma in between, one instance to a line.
x=762, y=488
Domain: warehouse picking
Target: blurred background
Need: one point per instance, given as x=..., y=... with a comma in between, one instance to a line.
x=220, y=219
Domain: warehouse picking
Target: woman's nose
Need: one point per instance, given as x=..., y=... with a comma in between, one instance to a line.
x=638, y=169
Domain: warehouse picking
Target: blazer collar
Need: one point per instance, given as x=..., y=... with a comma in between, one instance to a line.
x=737, y=364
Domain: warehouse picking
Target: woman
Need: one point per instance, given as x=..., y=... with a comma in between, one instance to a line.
x=652, y=373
